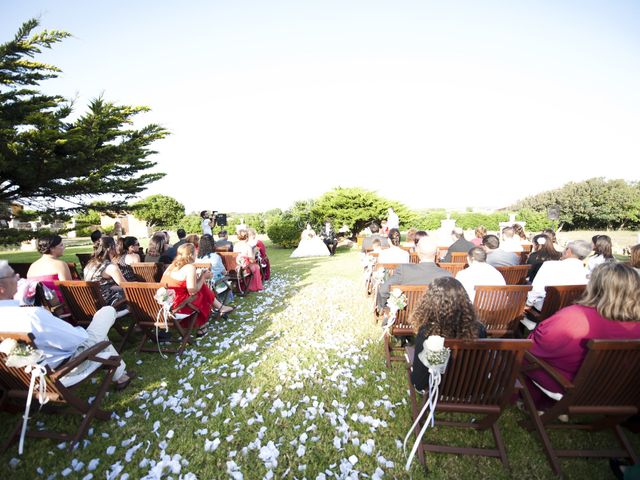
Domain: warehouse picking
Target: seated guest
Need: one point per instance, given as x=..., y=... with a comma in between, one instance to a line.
x=422, y=273
x=171, y=251
x=366, y=241
x=223, y=241
x=127, y=255
x=261, y=255
x=420, y=234
x=100, y=268
x=509, y=242
x=602, y=252
x=554, y=240
x=520, y=234
x=394, y=254
x=186, y=281
x=608, y=310
x=49, y=267
x=479, y=272
x=496, y=257
x=569, y=270
x=95, y=236
x=444, y=310
x=247, y=251
x=543, y=250
x=57, y=339
x=411, y=238
x=157, y=250
x=460, y=244
x=480, y=232
x=207, y=254
x=193, y=239
x=634, y=260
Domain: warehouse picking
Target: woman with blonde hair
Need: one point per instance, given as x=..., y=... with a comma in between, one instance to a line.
x=609, y=310
x=187, y=281
x=480, y=232
x=444, y=310
x=248, y=252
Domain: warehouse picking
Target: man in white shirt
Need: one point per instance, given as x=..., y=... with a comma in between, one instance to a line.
x=569, y=270
x=206, y=223
x=57, y=339
x=394, y=254
x=509, y=242
x=479, y=272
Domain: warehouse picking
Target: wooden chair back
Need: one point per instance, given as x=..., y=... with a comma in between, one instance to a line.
x=74, y=271
x=459, y=257
x=453, y=268
x=239, y=279
x=605, y=389
x=500, y=308
x=441, y=252
x=83, y=258
x=402, y=326
x=229, y=260
x=527, y=247
x=148, y=271
x=223, y=248
x=479, y=381
x=514, y=274
x=414, y=258
x=407, y=248
x=559, y=296
x=81, y=299
x=145, y=310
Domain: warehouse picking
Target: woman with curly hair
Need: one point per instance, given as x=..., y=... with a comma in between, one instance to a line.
x=444, y=310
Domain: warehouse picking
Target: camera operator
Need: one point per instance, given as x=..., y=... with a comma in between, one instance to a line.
x=208, y=222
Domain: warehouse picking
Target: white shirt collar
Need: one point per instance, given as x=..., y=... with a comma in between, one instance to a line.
x=9, y=303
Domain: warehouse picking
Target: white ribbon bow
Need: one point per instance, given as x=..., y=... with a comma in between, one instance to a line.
x=38, y=372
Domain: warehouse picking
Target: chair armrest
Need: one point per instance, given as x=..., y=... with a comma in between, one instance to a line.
x=89, y=354
x=538, y=363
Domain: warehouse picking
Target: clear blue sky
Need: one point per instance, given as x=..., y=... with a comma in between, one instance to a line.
x=435, y=104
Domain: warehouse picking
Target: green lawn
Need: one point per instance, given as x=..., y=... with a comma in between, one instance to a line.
x=293, y=385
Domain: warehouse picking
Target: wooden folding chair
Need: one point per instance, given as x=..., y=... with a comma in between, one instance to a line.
x=453, y=268
x=82, y=300
x=556, y=298
x=414, y=258
x=223, y=248
x=605, y=389
x=514, y=274
x=479, y=381
x=148, y=271
x=402, y=326
x=74, y=271
x=239, y=277
x=15, y=383
x=147, y=315
x=441, y=252
x=83, y=258
x=389, y=268
x=459, y=257
x=500, y=308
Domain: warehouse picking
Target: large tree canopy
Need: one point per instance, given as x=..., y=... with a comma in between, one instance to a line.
x=44, y=158
x=596, y=203
x=159, y=211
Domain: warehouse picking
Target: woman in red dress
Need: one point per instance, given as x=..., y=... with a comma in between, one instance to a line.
x=244, y=249
x=186, y=281
x=263, y=258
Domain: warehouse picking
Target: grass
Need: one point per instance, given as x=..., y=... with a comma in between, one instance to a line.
x=293, y=384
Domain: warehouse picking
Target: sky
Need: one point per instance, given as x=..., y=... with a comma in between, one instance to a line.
x=460, y=104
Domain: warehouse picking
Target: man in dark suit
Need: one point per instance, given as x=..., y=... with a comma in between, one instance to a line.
x=422, y=273
x=460, y=244
x=497, y=257
x=223, y=241
x=367, y=242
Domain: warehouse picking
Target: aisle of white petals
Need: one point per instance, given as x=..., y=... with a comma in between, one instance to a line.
x=282, y=390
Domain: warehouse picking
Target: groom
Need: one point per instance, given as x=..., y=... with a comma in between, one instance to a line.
x=329, y=238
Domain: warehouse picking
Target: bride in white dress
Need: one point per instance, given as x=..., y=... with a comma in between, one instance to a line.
x=310, y=245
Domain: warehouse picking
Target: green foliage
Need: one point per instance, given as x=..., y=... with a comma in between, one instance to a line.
x=596, y=203
x=159, y=211
x=11, y=237
x=355, y=207
x=536, y=221
x=44, y=157
x=191, y=223
x=284, y=231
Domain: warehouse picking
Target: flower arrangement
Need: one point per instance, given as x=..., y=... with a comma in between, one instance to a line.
x=26, y=291
x=242, y=261
x=397, y=300
x=165, y=296
x=434, y=354
x=19, y=354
